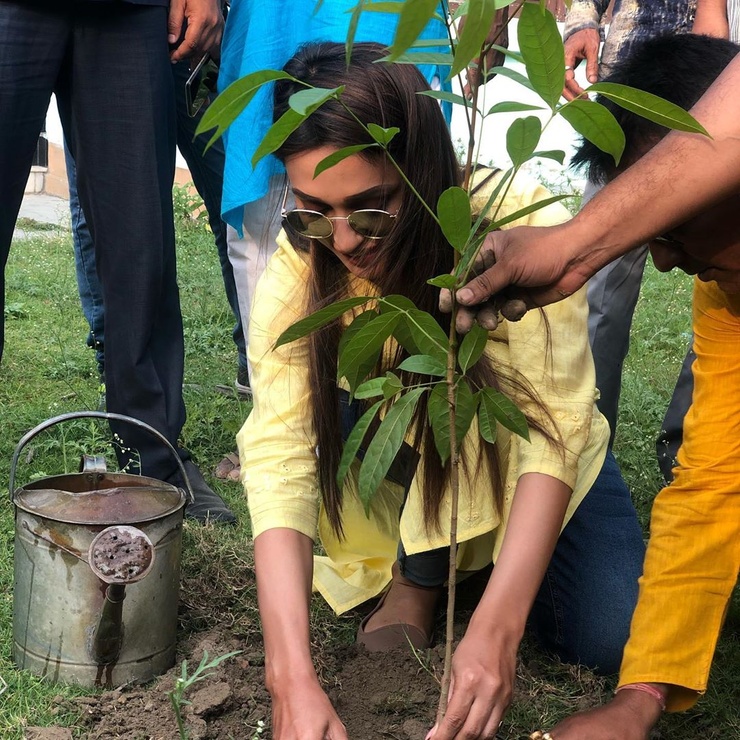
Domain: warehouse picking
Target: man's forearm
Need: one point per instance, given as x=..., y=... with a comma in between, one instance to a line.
x=678, y=178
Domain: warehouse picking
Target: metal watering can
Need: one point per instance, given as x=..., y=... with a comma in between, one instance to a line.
x=97, y=570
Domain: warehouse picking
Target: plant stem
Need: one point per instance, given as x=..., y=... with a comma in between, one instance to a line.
x=455, y=488
x=178, y=717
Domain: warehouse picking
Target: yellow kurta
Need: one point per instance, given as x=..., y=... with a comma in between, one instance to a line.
x=277, y=446
x=693, y=557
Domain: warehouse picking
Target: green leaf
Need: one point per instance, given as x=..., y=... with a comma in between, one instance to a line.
x=649, y=106
x=354, y=441
x=446, y=97
x=385, y=445
x=486, y=423
x=531, y=208
x=453, y=211
x=396, y=6
x=471, y=347
x=415, y=14
x=504, y=410
x=424, y=364
x=392, y=385
x=440, y=58
x=225, y=109
x=443, y=281
x=595, y=123
x=541, y=46
x=557, y=154
x=338, y=156
x=363, y=369
x=511, y=106
x=357, y=323
x=354, y=21
x=395, y=303
x=370, y=388
x=291, y=120
x=439, y=415
x=277, y=134
x=522, y=139
x=515, y=55
x=383, y=136
x=318, y=319
x=360, y=353
x=304, y=101
x=512, y=74
x=478, y=23
x=428, y=335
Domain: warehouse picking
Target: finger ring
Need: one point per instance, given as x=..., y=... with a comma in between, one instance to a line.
x=567, y=67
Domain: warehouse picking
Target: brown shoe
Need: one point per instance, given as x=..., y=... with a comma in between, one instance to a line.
x=401, y=634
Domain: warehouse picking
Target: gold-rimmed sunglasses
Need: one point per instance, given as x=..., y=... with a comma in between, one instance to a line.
x=369, y=223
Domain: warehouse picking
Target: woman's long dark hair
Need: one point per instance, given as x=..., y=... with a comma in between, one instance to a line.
x=414, y=251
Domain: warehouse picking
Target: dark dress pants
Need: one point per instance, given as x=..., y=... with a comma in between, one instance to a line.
x=108, y=65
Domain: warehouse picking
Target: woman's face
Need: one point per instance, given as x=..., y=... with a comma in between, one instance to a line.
x=353, y=184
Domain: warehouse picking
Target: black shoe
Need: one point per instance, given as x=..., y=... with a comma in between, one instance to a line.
x=208, y=505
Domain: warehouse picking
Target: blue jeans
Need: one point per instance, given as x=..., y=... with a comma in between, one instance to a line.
x=583, y=609
x=206, y=169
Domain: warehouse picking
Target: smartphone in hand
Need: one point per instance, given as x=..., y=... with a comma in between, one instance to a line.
x=201, y=84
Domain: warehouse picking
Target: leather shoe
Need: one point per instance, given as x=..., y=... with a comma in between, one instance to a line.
x=208, y=505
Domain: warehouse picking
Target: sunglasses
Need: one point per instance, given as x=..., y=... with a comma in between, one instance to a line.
x=369, y=223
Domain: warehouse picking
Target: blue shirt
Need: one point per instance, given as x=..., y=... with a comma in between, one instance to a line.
x=263, y=35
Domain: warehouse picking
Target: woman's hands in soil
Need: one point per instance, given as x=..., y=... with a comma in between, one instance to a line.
x=629, y=716
x=483, y=673
x=302, y=711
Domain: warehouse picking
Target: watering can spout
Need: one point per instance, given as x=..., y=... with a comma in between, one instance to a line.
x=108, y=638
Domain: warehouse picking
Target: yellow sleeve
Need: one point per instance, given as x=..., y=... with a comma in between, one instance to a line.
x=693, y=557
x=276, y=443
x=550, y=349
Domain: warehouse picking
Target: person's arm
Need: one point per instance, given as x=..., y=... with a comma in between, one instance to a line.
x=581, y=39
x=484, y=664
x=679, y=177
x=498, y=35
x=278, y=469
x=711, y=19
x=205, y=24
x=283, y=560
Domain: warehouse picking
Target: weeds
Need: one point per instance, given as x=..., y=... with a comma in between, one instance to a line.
x=185, y=682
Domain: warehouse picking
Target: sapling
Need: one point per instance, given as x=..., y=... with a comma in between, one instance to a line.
x=184, y=682
x=440, y=356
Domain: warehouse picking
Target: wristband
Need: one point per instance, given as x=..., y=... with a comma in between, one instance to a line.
x=657, y=694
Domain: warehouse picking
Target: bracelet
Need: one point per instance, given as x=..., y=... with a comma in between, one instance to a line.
x=657, y=694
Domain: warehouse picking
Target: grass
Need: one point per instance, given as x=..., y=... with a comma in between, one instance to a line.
x=47, y=370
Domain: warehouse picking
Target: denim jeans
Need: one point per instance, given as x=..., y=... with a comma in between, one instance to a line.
x=584, y=606
x=206, y=169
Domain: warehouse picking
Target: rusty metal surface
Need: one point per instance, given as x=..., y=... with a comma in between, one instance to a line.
x=121, y=555
x=92, y=498
x=59, y=617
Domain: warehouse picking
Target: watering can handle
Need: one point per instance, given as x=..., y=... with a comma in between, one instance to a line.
x=94, y=415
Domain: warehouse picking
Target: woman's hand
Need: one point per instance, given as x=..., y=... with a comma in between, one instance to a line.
x=302, y=711
x=483, y=674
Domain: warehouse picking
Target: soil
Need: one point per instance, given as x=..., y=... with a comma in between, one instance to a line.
x=378, y=696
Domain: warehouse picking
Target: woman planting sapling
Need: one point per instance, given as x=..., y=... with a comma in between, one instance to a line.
x=358, y=229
